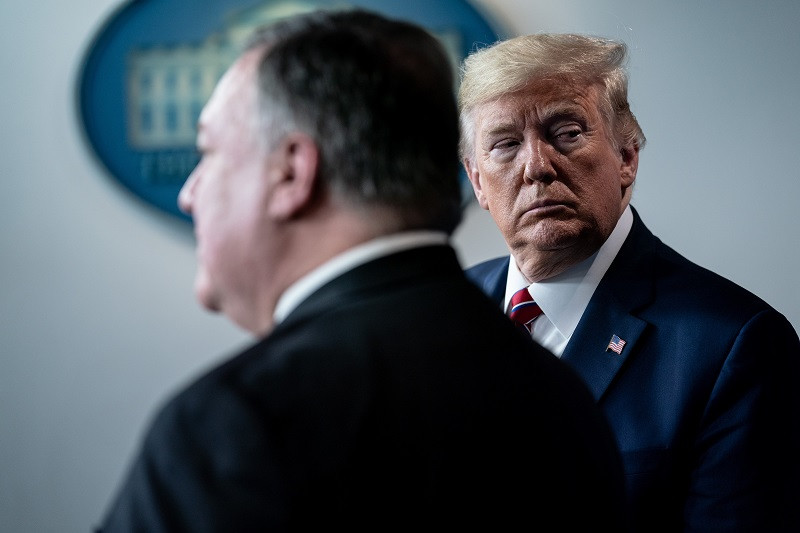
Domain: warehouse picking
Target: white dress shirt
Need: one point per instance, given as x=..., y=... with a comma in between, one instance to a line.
x=563, y=298
x=348, y=260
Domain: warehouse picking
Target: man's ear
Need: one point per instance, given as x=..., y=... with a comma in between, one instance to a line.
x=630, y=164
x=295, y=178
x=474, y=176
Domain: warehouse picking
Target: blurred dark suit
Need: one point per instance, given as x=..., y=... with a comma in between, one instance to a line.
x=396, y=397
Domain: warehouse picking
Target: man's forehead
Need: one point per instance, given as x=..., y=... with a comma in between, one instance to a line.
x=540, y=100
x=233, y=97
x=237, y=80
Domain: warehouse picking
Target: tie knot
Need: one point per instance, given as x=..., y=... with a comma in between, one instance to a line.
x=523, y=310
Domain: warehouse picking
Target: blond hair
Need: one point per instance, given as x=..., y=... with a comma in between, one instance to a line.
x=508, y=66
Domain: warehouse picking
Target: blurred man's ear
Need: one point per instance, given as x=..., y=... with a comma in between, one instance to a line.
x=294, y=178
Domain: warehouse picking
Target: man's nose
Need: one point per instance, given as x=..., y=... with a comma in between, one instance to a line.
x=539, y=164
x=186, y=194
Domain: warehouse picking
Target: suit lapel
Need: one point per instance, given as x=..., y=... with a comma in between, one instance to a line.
x=625, y=290
x=588, y=350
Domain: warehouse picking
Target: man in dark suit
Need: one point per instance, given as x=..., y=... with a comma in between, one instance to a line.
x=698, y=377
x=386, y=391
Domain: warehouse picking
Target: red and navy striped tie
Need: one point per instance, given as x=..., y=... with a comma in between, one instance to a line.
x=523, y=310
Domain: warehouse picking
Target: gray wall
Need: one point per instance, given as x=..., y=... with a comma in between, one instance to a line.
x=98, y=323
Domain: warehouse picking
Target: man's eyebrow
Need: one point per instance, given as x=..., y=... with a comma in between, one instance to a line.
x=557, y=110
x=501, y=127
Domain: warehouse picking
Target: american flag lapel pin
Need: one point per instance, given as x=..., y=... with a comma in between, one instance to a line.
x=616, y=345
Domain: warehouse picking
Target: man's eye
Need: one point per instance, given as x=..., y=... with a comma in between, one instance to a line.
x=568, y=134
x=505, y=144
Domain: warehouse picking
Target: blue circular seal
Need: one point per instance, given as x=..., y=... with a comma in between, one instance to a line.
x=154, y=63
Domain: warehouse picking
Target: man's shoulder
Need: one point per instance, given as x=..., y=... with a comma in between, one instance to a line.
x=488, y=267
x=490, y=276
x=704, y=296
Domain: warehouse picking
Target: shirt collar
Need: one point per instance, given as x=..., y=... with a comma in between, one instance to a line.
x=564, y=298
x=358, y=255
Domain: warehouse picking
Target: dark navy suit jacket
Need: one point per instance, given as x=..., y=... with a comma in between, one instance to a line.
x=703, y=398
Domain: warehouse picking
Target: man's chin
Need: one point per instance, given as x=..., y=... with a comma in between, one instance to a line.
x=552, y=236
x=211, y=306
x=205, y=295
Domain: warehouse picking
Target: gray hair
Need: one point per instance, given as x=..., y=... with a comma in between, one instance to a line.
x=376, y=96
x=510, y=65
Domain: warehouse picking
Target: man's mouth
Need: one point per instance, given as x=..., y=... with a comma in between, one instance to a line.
x=545, y=207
